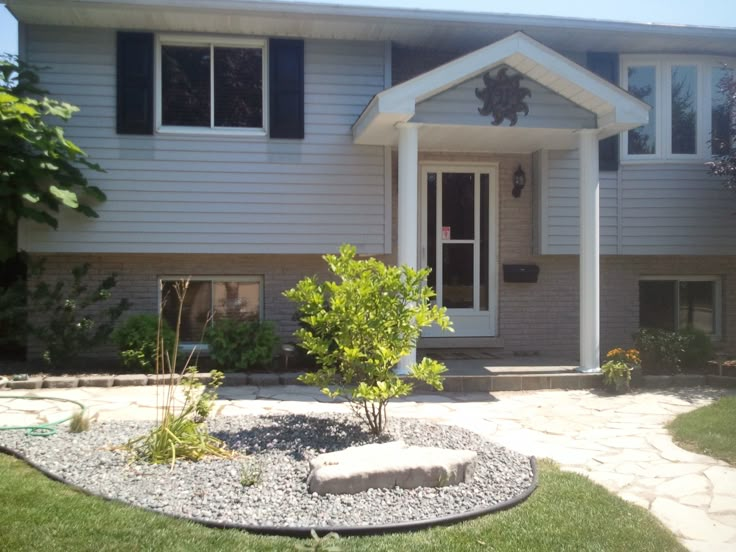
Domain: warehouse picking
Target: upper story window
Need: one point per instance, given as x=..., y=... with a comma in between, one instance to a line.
x=688, y=119
x=215, y=85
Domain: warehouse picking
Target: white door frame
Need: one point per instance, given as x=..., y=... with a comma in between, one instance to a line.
x=466, y=322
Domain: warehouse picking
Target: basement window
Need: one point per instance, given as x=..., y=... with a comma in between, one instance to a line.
x=673, y=303
x=210, y=299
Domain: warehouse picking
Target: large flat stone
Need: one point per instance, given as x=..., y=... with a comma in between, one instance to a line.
x=691, y=523
x=388, y=465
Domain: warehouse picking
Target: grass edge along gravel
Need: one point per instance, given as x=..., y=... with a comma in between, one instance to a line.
x=567, y=512
x=708, y=430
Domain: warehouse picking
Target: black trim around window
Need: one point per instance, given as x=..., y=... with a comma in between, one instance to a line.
x=286, y=88
x=134, y=83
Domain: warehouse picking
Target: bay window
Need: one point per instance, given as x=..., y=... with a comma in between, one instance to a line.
x=688, y=119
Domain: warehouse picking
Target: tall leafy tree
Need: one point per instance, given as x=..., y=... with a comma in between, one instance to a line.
x=40, y=169
x=723, y=164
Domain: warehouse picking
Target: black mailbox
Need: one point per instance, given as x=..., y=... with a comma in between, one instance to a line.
x=520, y=273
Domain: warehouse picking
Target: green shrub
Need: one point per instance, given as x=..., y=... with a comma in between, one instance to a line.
x=239, y=346
x=697, y=349
x=661, y=351
x=668, y=352
x=359, y=326
x=65, y=320
x=137, y=340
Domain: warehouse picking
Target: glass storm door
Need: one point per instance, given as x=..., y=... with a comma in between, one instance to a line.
x=459, y=245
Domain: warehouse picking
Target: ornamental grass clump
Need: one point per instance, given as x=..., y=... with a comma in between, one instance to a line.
x=617, y=368
x=180, y=433
x=359, y=326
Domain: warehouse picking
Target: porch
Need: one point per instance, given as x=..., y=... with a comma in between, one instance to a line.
x=480, y=370
x=450, y=215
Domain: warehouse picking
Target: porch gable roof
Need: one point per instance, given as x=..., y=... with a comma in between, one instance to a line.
x=615, y=109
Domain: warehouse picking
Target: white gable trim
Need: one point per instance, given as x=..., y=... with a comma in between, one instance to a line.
x=616, y=109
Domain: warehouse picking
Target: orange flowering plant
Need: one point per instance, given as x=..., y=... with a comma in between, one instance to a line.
x=618, y=366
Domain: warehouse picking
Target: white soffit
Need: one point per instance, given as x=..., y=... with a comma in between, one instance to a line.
x=422, y=28
x=616, y=110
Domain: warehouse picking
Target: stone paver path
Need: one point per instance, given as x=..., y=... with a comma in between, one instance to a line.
x=618, y=441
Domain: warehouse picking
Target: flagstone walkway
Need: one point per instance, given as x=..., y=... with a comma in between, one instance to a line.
x=618, y=441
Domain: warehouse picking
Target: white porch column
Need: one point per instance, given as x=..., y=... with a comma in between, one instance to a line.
x=408, y=211
x=590, y=311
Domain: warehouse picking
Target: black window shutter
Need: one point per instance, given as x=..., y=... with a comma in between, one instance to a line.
x=605, y=64
x=286, y=88
x=135, y=83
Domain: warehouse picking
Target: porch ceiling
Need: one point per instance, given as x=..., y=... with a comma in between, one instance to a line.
x=615, y=110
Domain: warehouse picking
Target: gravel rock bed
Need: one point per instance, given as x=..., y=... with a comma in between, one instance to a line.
x=280, y=447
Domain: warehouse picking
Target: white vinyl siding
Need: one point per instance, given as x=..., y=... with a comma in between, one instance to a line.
x=220, y=194
x=646, y=209
x=560, y=205
x=676, y=209
x=459, y=106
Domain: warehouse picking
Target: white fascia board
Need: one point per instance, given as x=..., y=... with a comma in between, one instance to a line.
x=621, y=101
x=620, y=107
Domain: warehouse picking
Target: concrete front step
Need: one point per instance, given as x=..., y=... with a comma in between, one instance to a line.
x=516, y=382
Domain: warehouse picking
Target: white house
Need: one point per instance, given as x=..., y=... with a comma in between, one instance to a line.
x=549, y=170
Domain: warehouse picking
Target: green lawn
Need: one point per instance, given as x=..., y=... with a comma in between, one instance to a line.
x=708, y=430
x=567, y=512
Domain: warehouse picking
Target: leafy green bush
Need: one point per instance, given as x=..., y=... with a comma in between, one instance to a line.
x=65, y=320
x=359, y=327
x=697, y=349
x=667, y=352
x=137, y=340
x=239, y=346
x=661, y=351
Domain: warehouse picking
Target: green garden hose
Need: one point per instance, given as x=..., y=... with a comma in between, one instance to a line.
x=42, y=430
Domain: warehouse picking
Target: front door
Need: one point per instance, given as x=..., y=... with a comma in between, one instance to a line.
x=458, y=225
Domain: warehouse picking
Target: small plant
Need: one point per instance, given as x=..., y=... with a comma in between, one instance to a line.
x=360, y=326
x=67, y=320
x=317, y=544
x=80, y=422
x=136, y=339
x=183, y=433
x=617, y=368
x=239, y=346
x=250, y=473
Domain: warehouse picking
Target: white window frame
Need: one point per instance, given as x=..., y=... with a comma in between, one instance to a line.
x=188, y=345
x=717, y=296
x=212, y=42
x=663, y=82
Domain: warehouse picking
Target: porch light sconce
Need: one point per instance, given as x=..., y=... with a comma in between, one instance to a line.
x=519, y=182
